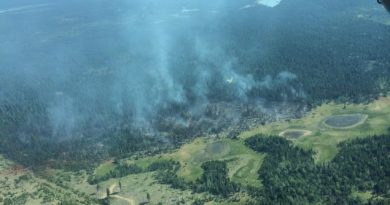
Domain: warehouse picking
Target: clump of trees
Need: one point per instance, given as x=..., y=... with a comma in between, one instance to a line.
x=124, y=169
x=366, y=164
x=119, y=171
x=164, y=165
x=290, y=176
x=215, y=179
x=167, y=174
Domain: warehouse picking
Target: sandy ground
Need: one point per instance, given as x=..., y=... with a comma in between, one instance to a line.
x=128, y=200
x=305, y=132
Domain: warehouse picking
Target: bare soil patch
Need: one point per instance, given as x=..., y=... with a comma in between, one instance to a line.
x=294, y=134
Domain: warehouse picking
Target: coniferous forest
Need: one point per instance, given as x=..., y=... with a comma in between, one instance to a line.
x=304, y=69
x=290, y=176
x=196, y=97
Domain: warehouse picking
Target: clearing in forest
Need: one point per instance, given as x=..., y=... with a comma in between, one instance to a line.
x=308, y=132
x=135, y=187
x=243, y=163
x=362, y=120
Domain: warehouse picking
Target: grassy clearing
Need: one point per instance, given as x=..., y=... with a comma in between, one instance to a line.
x=324, y=139
x=364, y=196
x=104, y=168
x=243, y=163
x=22, y=186
x=136, y=187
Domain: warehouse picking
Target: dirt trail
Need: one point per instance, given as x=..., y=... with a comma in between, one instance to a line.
x=130, y=201
x=304, y=132
x=243, y=160
x=111, y=188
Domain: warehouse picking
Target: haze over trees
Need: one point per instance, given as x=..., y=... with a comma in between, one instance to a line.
x=118, y=88
x=82, y=82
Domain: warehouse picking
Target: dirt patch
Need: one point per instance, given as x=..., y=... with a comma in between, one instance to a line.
x=128, y=200
x=294, y=134
x=346, y=121
x=382, y=103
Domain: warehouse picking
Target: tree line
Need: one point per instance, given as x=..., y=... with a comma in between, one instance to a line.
x=290, y=176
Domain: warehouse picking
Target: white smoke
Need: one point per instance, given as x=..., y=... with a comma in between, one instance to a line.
x=63, y=116
x=269, y=3
x=282, y=78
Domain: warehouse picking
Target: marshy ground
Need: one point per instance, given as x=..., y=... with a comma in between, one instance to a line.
x=346, y=121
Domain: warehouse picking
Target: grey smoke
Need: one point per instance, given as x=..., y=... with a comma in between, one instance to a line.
x=94, y=62
x=63, y=115
x=281, y=79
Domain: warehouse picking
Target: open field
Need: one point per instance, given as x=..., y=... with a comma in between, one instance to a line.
x=324, y=139
x=243, y=163
x=19, y=185
x=104, y=168
x=136, y=187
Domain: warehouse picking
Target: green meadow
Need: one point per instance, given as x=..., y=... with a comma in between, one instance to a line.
x=323, y=138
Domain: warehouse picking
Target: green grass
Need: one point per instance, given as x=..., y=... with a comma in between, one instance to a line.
x=243, y=163
x=364, y=196
x=244, y=169
x=136, y=186
x=56, y=186
x=104, y=168
x=324, y=139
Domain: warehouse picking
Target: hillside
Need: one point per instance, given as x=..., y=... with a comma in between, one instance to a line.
x=194, y=102
x=177, y=176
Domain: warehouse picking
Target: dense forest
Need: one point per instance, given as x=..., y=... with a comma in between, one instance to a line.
x=73, y=95
x=327, y=60
x=290, y=176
